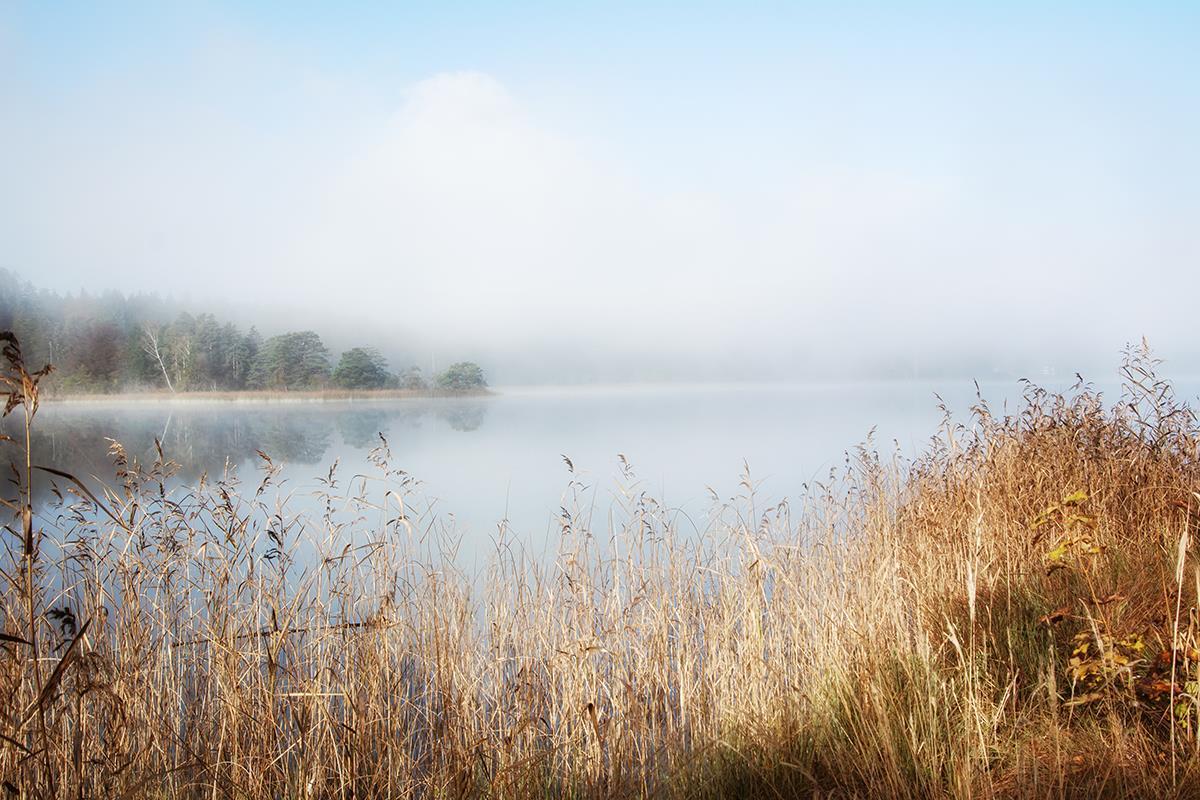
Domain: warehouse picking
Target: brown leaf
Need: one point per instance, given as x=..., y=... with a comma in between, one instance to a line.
x=95, y=500
x=56, y=675
x=1056, y=616
x=8, y=637
x=1156, y=687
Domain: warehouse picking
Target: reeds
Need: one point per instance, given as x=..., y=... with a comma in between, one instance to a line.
x=1011, y=615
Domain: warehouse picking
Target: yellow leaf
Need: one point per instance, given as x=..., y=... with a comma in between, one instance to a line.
x=1059, y=551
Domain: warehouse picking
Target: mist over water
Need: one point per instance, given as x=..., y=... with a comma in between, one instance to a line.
x=481, y=461
x=584, y=197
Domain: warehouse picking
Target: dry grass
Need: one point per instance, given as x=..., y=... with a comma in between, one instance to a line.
x=1013, y=615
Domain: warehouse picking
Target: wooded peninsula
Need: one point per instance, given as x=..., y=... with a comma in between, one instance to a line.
x=109, y=343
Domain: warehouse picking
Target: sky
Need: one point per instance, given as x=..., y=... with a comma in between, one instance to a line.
x=596, y=191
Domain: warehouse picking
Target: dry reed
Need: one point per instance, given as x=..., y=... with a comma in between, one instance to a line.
x=1011, y=615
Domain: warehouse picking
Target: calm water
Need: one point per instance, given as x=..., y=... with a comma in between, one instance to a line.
x=487, y=459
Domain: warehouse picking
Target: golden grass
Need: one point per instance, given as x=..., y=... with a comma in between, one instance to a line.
x=1012, y=615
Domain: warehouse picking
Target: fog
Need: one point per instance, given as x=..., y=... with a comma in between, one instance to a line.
x=607, y=196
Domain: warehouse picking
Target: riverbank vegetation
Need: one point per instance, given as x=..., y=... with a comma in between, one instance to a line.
x=1012, y=614
x=332, y=394
x=113, y=343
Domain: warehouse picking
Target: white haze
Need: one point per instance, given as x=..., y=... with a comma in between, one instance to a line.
x=456, y=218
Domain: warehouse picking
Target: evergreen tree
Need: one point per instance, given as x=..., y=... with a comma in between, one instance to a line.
x=297, y=360
x=361, y=368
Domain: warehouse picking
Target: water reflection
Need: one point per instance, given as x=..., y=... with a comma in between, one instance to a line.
x=205, y=439
x=481, y=461
x=466, y=416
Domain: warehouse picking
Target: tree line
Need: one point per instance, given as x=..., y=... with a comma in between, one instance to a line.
x=116, y=342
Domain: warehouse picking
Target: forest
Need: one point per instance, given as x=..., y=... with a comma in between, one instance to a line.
x=113, y=342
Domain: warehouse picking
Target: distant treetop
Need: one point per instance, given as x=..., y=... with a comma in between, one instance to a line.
x=464, y=376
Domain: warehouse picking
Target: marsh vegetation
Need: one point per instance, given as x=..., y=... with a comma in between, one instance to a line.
x=1011, y=614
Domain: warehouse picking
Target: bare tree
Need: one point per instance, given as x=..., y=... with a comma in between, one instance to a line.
x=152, y=349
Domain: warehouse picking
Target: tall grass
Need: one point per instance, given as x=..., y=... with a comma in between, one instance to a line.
x=1011, y=615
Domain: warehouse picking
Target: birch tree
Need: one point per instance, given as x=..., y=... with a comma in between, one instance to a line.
x=151, y=346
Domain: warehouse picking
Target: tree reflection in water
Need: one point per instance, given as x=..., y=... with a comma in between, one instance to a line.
x=203, y=439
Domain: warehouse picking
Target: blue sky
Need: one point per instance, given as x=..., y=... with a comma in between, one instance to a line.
x=705, y=176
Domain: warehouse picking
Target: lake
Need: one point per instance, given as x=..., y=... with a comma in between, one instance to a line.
x=485, y=459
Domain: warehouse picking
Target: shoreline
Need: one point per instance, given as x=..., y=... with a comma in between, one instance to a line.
x=259, y=397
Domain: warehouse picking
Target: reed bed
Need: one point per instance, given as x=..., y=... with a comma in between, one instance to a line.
x=1013, y=614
